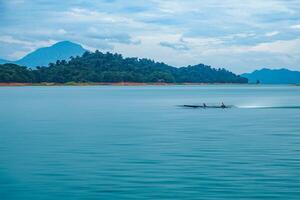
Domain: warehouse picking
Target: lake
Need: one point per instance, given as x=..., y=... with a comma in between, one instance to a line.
x=109, y=142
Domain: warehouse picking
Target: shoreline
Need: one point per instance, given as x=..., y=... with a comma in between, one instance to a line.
x=111, y=84
x=123, y=84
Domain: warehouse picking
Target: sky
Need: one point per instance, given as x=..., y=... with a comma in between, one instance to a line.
x=238, y=35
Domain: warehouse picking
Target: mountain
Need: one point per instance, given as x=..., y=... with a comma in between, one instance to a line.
x=59, y=51
x=112, y=68
x=273, y=76
x=2, y=61
x=43, y=56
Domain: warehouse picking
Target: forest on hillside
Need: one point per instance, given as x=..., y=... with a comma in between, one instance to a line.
x=113, y=68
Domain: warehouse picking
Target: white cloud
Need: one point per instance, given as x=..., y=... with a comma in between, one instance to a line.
x=11, y=40
x=281, y=46
x=26, y=45
x=18, y=54
x=271, y=34
x=296, y=26
x=77, y=15
x=213, y=32
x=62, y=31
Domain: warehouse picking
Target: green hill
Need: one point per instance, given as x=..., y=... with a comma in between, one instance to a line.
x=112, y=68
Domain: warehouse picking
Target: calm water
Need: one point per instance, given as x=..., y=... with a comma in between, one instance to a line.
x=136, y=143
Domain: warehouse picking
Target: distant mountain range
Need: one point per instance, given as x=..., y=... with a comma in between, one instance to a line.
x=273, y=76
x=43, y=56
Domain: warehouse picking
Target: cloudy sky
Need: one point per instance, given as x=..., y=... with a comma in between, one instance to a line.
x=236, y=34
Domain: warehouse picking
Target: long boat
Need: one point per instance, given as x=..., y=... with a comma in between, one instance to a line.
x=202, y=106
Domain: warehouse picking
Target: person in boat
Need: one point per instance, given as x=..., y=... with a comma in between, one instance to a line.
x=204, y=105
x=223, y=105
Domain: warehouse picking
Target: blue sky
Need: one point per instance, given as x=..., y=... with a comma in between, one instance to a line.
x=236, y=34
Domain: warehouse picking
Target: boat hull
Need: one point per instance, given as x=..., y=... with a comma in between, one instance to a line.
x=201, y=106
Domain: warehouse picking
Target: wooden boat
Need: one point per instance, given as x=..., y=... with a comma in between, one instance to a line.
x=202, y=106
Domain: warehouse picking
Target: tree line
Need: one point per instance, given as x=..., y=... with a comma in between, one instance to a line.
x=112, y=68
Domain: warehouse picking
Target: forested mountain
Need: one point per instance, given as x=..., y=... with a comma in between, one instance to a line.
x=43, y=56
x=273, y=76
x=108, y=67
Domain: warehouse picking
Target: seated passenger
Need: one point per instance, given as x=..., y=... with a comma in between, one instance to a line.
x=223, y=105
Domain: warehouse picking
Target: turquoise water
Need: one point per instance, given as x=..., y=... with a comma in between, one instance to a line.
x=138, y=143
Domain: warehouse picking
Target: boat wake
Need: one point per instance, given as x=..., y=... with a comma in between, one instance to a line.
x=269, y=107
x=240, y=107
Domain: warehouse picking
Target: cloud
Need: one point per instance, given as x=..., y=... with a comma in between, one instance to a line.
x=15, y=48
x=296, y=26
x=61, y=31
x=110, y=36
x=175, y=46
x=33, y=44
x=181, y=45
x=281, y=46
x=271, y=34
x=10, y=40
x=227, y=33
x=77, y=15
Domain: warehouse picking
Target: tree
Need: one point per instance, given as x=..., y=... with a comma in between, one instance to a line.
x=108, y=67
